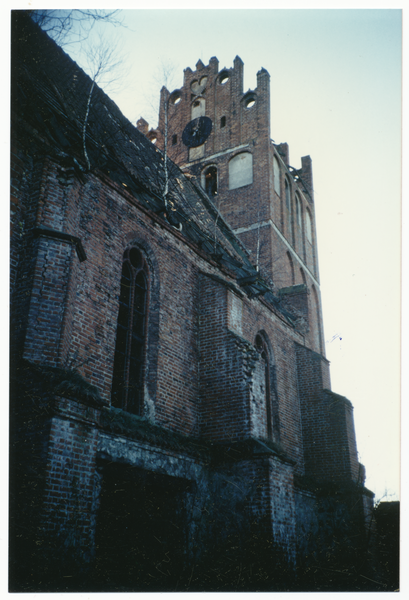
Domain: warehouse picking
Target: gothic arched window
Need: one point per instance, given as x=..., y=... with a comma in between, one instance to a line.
x=262, y=348
x=209, y=181
x=129, y=359
x=308, y=225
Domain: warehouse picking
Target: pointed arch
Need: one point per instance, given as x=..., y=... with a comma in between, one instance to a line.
x=263, y=346
x=129, y=356
x=209, y=180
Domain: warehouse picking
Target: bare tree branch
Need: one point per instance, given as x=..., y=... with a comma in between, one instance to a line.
x=103, y=62
x=73, y=26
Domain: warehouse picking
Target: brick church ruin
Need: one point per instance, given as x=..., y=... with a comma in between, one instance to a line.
x=173, y=425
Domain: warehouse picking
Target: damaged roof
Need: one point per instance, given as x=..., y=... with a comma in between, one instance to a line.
x=50, y=94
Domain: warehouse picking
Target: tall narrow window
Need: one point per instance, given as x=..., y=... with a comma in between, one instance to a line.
x=298, y=211
x=308, y=225
x=291, y=272
x=209, y=181
x=289, y=211
x=317, y=317
x=261, y=346
x=128, y=375
x=276, y=172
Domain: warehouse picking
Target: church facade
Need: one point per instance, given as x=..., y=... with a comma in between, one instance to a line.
x=171, y=406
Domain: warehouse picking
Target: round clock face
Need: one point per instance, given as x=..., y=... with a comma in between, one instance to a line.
x=196, y=132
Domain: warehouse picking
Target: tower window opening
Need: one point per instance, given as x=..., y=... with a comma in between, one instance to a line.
x=298, y=211
x=249, y=102
x=209, y=181
x=174, y=139
x=289, y=209
x=198, y=108
x=175, y=97
x=308, y=225
x=223, y=122
x=276, y=171
x=224, y=78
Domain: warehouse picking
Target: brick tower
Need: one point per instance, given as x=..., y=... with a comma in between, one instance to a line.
x=221, y=136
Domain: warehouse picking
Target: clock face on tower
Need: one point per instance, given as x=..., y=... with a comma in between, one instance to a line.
x=196, y=132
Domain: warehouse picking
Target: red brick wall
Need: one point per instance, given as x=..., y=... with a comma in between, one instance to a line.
x=69, y=484
x=248, y=130
x=328, y=431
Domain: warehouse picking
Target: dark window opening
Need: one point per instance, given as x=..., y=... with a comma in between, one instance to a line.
x=174, y=139
x=261, y=347
x=249, y=102
x=127, y=381
x=224, y=77
x=223, y=122
x=210, y=181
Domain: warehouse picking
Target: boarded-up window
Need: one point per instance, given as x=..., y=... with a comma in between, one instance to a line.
x=198, y=108
x=277, y=186
x=195, y=153
x=240, y=170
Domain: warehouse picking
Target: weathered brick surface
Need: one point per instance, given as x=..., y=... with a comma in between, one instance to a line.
x=205, y=376
x=271, y=226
